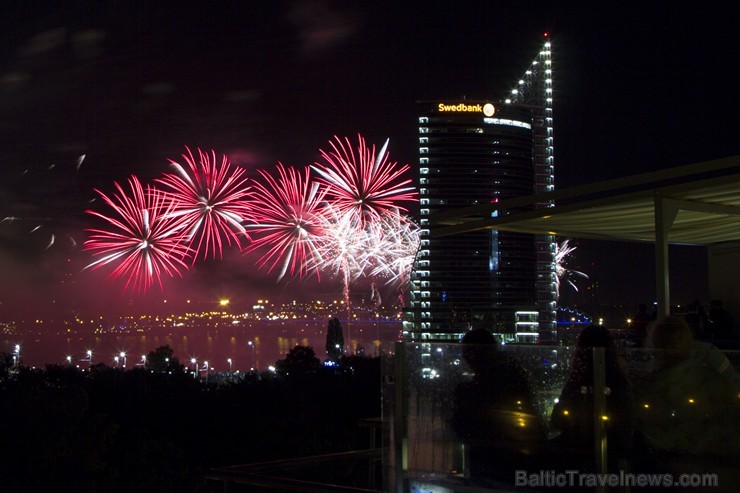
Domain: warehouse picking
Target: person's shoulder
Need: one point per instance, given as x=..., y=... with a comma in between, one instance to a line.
x=704, y=346
x=510, y=369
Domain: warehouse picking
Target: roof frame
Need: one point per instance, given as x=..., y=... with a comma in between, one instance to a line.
x=642, y=207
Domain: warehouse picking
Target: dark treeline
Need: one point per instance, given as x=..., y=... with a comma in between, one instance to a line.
x=109, y=430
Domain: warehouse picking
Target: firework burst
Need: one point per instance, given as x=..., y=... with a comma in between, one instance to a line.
x=562, y=251
x=143, y=237
x=288, y=212
x=212, y=201
x=343, y=244
x=394, y=244
x=396, y=241
x=361, y=183
x=341, y=251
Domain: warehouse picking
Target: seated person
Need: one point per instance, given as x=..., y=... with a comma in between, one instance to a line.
x=494, y=412
x=686, y=405
x=706, y=353
x=573, y=415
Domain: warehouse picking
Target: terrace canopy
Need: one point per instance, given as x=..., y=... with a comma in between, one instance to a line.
x=695, y=204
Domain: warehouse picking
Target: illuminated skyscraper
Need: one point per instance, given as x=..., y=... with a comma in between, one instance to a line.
x=474, y=153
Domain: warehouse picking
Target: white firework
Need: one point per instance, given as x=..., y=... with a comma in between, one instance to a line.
x=562, y=251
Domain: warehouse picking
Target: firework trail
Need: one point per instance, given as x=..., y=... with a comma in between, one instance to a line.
x=562, y=251
x=144, y=238
x=362, y=183
x=212, y=201
x=45, y=200
x=288, y=212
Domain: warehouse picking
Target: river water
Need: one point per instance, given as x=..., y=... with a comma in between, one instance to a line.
x=270, y=341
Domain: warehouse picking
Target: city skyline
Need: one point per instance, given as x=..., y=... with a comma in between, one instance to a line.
x=88, y=98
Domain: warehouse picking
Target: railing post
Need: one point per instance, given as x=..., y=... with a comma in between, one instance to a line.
x=600, y=416
x=400, y=419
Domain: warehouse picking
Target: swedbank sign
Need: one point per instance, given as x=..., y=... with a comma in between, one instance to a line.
x=487, y=109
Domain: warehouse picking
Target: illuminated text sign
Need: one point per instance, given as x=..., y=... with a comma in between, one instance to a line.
x=487, y=109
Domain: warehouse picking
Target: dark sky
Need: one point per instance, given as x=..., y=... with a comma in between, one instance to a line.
x=639, y=86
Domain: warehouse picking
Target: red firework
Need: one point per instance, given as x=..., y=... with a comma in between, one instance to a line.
x=363, y=184
x=288, y=215
x=212, y=201
x=143, y=238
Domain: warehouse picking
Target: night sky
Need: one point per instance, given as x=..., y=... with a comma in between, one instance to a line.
x=639, y=86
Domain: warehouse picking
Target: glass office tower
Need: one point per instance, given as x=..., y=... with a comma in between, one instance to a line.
x=474, y=153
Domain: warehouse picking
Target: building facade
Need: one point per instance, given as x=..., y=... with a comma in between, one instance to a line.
x=474, y=153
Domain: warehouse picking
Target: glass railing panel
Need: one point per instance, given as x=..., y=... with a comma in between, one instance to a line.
x=478, y=414
x=504, y=417
x=687, y=414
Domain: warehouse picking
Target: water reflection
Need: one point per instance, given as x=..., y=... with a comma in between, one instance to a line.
x=268, y=344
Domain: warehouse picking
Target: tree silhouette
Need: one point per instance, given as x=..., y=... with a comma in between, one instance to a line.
x=300, y=359
x=334, y=340
x=162, y=360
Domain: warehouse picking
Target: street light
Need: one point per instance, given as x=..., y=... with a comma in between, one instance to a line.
x=254, y=357
x=205, y=365
x=69, y=360
x=230, y=363
x=143, y=360
x=17, y=355
x=194, y=362
x=123, y=356
x=89, y=358
x=115, y=358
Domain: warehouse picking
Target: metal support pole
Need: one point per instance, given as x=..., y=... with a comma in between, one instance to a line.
x=664, y=217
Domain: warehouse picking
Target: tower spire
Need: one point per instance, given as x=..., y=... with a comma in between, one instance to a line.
x=534, y=89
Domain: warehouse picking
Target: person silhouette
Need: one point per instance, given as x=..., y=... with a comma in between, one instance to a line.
x=494, y=412
x=639, y=323
x=686, y=405
x=721, y=323
x=573, y=415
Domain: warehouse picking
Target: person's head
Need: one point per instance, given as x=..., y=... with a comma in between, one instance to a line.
x=672, y=336
x=478, y=336
x=478, y=346
x=595, y=336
